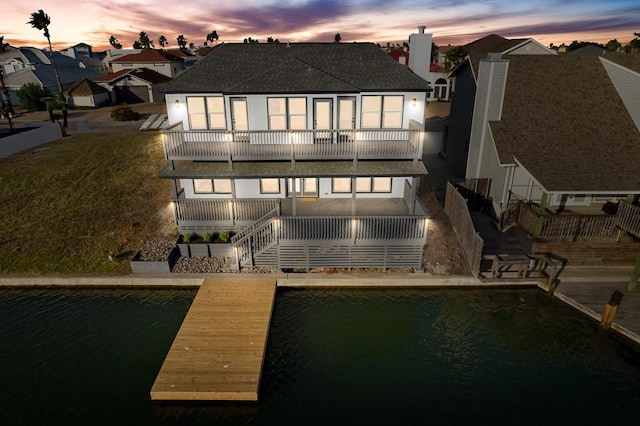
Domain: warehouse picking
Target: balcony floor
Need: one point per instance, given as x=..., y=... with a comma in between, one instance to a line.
x=342, y=207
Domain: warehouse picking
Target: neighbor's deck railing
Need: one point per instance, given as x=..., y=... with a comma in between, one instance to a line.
x=629, y=218
x=211, y=145
x=568, y=227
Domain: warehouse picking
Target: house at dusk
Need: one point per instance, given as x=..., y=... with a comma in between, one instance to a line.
x=155, y=59
x=308, y=156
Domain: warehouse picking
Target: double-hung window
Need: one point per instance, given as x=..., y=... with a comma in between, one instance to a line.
x=373, y=184
x=287, y=113
x=212, y=186
x=206, y=112
x=382, y=112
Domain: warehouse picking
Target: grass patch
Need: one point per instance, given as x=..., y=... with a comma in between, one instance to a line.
x=65, y=206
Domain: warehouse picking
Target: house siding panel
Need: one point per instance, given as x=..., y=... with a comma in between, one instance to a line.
x=460, y=117
x=627, y=83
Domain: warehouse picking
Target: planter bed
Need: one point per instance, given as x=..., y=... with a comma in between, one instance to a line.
x=154, y=267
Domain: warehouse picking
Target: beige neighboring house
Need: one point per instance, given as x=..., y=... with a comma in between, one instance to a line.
x=557, y=138
x=134, y=85
x=87, y=93
x=156, y=60
x=464, y=77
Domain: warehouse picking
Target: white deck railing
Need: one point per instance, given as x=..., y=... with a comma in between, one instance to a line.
x=292, y=144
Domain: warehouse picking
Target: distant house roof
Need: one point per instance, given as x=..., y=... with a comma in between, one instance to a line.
x=84, y=87
x=150, y=55
x=145, y=74
x=179, y=53
x=436, y=68
x=205, y=50
x=590, y=50
x=296, y=68
x=396, y=54
x=564, y=122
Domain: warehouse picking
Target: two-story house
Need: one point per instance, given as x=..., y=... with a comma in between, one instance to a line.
x=558, y=137
x=154, y=59
x=311, y=153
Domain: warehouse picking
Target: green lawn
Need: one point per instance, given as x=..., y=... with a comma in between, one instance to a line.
x=65, y=205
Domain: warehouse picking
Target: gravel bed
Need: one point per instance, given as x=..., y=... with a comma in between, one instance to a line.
x=156, y=249
x=190, y=265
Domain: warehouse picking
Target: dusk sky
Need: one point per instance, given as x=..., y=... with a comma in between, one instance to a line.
x=451, y=22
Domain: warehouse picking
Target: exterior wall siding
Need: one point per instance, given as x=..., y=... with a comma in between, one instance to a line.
x=455, y=147
x=531, y=48
x=627, y=83
x=488, y=107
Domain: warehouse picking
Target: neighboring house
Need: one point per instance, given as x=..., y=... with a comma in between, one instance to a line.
x=86, y=93
x=311, y=152
x=112, y=54
x=156, y=60
x=87, y=61
x=134, y=85
x=458, y=130
x=542, y=135
x=35, y=66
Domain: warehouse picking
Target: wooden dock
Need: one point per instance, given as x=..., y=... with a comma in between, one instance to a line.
x=591, y=292
x=218, y=351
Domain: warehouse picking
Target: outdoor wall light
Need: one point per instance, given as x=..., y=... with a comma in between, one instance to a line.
x=177, y=103
x=414, y=101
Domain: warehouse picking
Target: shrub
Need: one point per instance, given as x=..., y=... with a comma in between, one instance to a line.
x=124, y=113
x=206, y=237
x=186, y=238
x=31, y=94
x=224, y=236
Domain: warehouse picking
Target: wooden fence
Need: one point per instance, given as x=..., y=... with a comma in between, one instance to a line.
x=456, y=208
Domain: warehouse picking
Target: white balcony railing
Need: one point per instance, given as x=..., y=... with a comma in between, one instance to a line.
x=255, y=145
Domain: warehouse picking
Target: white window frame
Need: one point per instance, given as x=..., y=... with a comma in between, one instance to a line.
x=215, y=186
x=262, y=186
x=207, y=114
x=333, y=185
x=383, y=113
x=288, y=115
x=371, y=182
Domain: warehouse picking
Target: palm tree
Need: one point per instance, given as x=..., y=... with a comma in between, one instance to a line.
x=453, y=57
x=212, y=36
x=182, y=42
x=114, y=43
x=40, y=21
x=145, y=41
x=162, y=41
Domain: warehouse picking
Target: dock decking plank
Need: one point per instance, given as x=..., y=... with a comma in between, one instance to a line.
x=218, y=351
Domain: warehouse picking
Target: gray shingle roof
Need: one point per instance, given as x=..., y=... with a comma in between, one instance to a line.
x=564, y=121
x=296, y=67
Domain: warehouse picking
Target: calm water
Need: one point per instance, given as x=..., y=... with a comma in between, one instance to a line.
x=334, y=357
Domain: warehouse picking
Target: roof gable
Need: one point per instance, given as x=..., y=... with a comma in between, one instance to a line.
x=85, y=87
x=296, y=67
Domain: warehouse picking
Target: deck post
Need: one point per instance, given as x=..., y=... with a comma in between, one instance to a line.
x=635, y=275
x=537, y=230
x=610, y=310
x=353, y=196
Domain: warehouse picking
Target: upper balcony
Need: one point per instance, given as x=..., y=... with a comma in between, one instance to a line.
x=292, y=145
